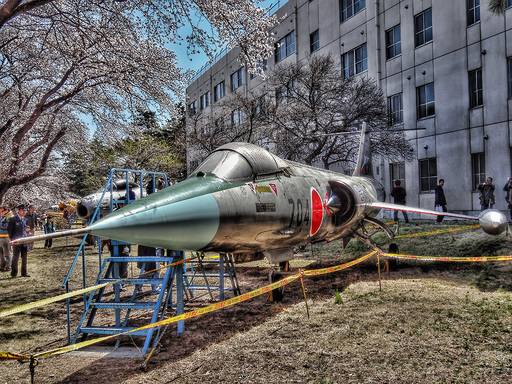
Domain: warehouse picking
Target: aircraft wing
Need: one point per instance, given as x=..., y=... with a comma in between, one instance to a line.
x=397, y=207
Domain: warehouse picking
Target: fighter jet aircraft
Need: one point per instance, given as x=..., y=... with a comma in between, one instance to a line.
x=244, y=199
x=86, y=206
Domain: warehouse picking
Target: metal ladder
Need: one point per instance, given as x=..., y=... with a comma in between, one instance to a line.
x=124, y=304
x=226, y=270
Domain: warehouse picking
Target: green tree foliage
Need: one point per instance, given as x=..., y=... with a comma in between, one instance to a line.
x=148, y=148
x=497, y=7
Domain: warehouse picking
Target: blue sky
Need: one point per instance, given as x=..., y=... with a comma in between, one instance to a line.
x=198, y=60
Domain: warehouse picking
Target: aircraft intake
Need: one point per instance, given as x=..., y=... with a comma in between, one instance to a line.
x=341, y=202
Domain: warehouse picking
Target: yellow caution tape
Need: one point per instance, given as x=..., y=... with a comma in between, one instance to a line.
x=40, y=303
x=440, y=231
x=241, y=298
x=188, y=315
x=339, y=267
x=457, y=259
x=13, y=356
x=199, y=312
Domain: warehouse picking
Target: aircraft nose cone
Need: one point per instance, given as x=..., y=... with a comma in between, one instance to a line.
x=184, y=225
x=333, y=205
x=492, y=221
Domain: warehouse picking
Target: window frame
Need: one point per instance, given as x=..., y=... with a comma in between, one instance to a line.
x=219, y=91
x=314, y=41
x=431, y=177
x=237, y=117
x=349, y=8
x=509, y=73
x=396, y=116
x=192, y=108
x=473, y=12
x=393, y=45
x=204, y=100
x=397, y=172
x=356, y=66
x=423, y=34
x=285, y=46
x=238, y=75
x=424, y=90
x=475, y=88
x=477, y=169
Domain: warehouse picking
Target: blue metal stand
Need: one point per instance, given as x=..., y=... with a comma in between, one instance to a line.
x=121, y=304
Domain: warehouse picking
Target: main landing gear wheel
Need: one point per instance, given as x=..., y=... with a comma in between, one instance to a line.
x=278, y=293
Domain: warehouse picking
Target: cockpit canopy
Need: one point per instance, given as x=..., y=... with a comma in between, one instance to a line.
x=238, y=161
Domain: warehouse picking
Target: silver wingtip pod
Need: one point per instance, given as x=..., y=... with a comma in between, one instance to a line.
x=492, y=221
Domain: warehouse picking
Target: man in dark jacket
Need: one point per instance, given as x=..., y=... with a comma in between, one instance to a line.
x=17, y=228
x=440, y=200
x=398, y=193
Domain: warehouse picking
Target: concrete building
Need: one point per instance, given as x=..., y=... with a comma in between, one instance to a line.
x=444, y=66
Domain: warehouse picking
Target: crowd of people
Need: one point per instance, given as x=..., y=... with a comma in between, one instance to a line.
x=485, y=190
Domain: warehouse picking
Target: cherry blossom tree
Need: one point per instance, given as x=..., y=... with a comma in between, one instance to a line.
x=63, y=59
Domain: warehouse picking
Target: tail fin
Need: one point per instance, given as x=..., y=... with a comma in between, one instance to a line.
x=364, y=157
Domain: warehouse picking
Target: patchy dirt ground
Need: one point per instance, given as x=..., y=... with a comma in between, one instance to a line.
x=432, y=322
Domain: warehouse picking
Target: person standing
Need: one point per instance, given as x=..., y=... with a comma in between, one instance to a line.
x=31, y=218
x=131, y=194
x=486, y=194
x=507, y=188
x=398, y=194
x=17, y=228
x=5, y=247
x=49, y=227
x=440, y=200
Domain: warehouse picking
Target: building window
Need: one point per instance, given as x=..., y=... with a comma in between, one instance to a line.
x=349, y=8
x=509, y=71
x=192, y=108
x=219, y=125
x=475, y=88
x=237, y=117
x=287, y=92
x=314, y=41
x=219, y=91
x=207, y=130
x=473, y=11
x=509, y=3
x=428, y=175
x=426, y=101
x=285, y=47
x=423, y=28
x=478, y=166
x=396, y=109
x=260, y=68
x=354, y=62
x=237, y=79
x=204, y=100
x=393, y=42
x=261, y=106
x=397, y=172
